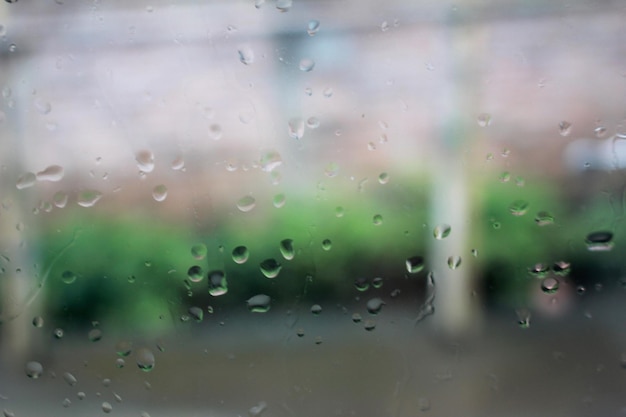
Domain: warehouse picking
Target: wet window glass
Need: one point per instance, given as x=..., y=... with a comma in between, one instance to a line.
x=312, y=208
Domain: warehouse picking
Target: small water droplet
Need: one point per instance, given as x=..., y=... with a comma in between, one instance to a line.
x=313, y=122
x=70, y=379
x=581, y=289
x=68, y=277
x=442, y=231
x=279, y=200
x=196, y=313
x=94, y=335
x=295, y=128
x=383, y=178
x=246, y=204
x=240, y=254
x=561, y=268
x=505, y=177
x=339, y=211
x=58, y=333
x=544, y=218
x=523, y=318
x=215, y=132
x=600, y=241
x=361, y=284
x=300, y=332
x=199, y=251
x=483, y=119
x=159, y=193
x=178, y=163
x=270, y=268
x=107, y=407
x=217, y=283
x=286, y=249
x=328, y=92
x=52, y=173
x=38, y=321
x=316, y=309
x=377, y=220
x=599, y=131
x=538, y=270
x=42, y=106
x=88, y=198
x=565, y=128
x=120, y=363
x=327, y=244
x=377, y=282
x=306, y=64
x=66, y=403
x=195, y=273
x=145, y=160
x=260, y=303
x=246, y=55
x=257, y=409
x=414, y=264
x=356, y=318
x=34, y=369
x=550, y=285
x=81, y=395
x=423, y=404
x=374, y=305
x=270, y=161
x=308, y=91
x=313, y=27
x=123, y=348
x=331, y=170
x=284, y=5
x=145, y=359
x=519, y=208
x=454, y=262
x=25, y=181
x=12, y=47
x=369, y=325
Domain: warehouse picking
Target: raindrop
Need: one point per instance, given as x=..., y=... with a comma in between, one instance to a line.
x=300, y=332
x=523, y=318
x=442, y=231
x=25, y=181
x=318, y=340
x=58, y=333
x=383, y=178
x=145, y=359
x=279, y=200
x=246, y=204
x=483, y=119
x=519, y=208
x=145, y=160
x=475, y=253
x=284, y=5
x=107, y=407
x=505, y=177
x=599, y=241
x=561, y=268
x=88, y=198
x=42, y=106
x=215, y=132
x=599, y=131
x=374, y=305
x=328, y=92
x=538, y=270
x=68, y=277
x=195, y=273
x=286, y=249
x=356, y=318
x=308, y=91
x=384, y=27
x=339, y=211
x=240, y=254
x=217, y=283
x=12, y=47
x=94, y=335
x=246, y=55
x=423, y=404
x=199, y=251
x=38, y=322
x=270, y=268
x=581, y=289
x=196, y=313
x=377, y=282
x=59, y=199
x=550, y=285
x=270, y=161
x=312, y=27
x=120, y=363
x=257, y=409
x=331, y=169
x=454, y=262
x=369, y=325
x=33, y=369
x=414, y=264
x=70, y=379
x=313, y=122
x=259, y=303
x=159, y=193
x=123, y=348
x=327, y=244
x=316, y=309
x=544, y=218
x=66, y=403
x=295, y=128
x=51, y=173
x=361, y=284
x=178, y=163
x=81, y=395
x=377, y=220
x=565, y=128
x=306, y=64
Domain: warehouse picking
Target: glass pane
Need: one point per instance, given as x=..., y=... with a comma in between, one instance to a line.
x=286, y=208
